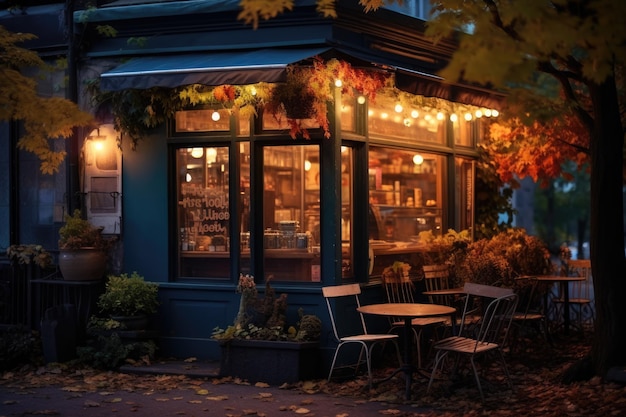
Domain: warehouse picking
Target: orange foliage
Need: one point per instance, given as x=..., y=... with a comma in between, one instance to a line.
x=224, y=93
x=538, y=150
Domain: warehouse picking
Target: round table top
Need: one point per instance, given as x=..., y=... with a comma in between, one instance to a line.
x=557, y=278
x=407, y=310
x=446, y=291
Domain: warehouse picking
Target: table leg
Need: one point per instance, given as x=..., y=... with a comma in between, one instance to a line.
x=566, y=318
x=408, y=365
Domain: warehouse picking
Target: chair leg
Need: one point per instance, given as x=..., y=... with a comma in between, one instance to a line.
x=439, y=356
x=480, y=388
x=332, y=365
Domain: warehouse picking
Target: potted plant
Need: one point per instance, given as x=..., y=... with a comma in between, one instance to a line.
x=82, y=249
x=129, y=300
x=261, y=346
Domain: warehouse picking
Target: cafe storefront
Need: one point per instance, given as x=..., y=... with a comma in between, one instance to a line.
x=214, y=193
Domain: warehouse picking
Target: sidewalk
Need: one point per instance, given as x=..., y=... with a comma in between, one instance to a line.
x=185, y=389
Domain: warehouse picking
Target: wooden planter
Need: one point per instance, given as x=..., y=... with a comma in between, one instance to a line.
x=273, y=362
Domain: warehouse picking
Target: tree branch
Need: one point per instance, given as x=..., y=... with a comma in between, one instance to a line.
x=563, y=77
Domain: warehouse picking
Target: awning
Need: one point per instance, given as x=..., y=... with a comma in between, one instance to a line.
x=235, y=68
x=429, y=85
x=269, y=65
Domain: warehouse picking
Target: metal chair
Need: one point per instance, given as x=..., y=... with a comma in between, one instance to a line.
x=529, y=313
x=580, y=292
x=475, y=340
x=346, y=335
x=401, y=290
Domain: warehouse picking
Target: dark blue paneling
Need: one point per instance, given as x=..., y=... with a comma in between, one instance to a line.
x=144, y=208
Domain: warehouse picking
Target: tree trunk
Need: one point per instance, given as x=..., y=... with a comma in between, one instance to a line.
x=607, y=229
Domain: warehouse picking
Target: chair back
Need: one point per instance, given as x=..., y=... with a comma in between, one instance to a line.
x=349, y=293
x=497, y=306
x=437, y=277
x=580, y=290
x=398, y=289
x=530, y=298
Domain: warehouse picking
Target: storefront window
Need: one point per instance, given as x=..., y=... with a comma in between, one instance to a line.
x=203, y=211
x=405, y=196
x=464, y=193
x=210, y=120
x=291, y=212
x=347, y=175
x=462, y=126
x=417, y=124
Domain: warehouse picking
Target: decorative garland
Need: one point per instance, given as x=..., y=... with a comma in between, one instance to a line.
x=305, y=95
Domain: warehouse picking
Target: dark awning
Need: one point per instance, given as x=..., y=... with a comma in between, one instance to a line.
x=235, y=68
x=429, y=85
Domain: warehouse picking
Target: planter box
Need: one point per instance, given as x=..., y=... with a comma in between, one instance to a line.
x=273, y=362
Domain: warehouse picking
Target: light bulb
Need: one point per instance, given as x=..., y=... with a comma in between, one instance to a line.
x=478, y=114
x=468, y=116
x=307, y=165
x=439, y=116
x=361, y=100
x=454, y=118
x=398, y=108
x=418, y=159
x=197, y=152
x=215, y=116
x=338, y=83
x=494, y=113
x=415, y=114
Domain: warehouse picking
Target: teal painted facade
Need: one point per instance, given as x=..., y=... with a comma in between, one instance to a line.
x=191, y=308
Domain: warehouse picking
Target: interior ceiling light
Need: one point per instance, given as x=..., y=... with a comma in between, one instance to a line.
x=197, y=152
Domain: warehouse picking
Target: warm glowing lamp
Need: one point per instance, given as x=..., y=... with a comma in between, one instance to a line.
x=215, y=116
x=418, y=159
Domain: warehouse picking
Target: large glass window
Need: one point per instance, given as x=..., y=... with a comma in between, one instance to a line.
x=291, y=212
x=203, y=211
x=406, y=199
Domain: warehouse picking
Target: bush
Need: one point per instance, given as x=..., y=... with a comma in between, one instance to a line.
x=18, y=345
x=129, y=296
x=505, y=256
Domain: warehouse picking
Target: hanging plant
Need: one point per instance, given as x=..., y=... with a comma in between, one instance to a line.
x=307, y=91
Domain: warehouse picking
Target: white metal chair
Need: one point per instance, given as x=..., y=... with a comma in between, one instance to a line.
x=355, y=333
x=401, y=290
x=580, y=292
x=475, y=340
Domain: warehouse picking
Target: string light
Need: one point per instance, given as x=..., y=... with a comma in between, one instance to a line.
x=468, y=116
x=215, y=116
x=338, y=83
x=415, y=114
x=398, y=108
x=454, y=118
x=360, y=100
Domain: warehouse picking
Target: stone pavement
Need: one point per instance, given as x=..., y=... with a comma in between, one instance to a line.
x=208, y=396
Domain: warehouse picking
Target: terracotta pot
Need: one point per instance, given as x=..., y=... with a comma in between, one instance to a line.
x=86, y=264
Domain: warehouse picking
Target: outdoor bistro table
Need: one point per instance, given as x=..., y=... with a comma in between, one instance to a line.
x=407, y=311
x=563, y=281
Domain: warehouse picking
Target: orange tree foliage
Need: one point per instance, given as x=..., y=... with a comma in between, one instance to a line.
x=537, y=150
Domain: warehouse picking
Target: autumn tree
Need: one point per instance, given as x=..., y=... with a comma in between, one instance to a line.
x=43, y=118
x=562, y=64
